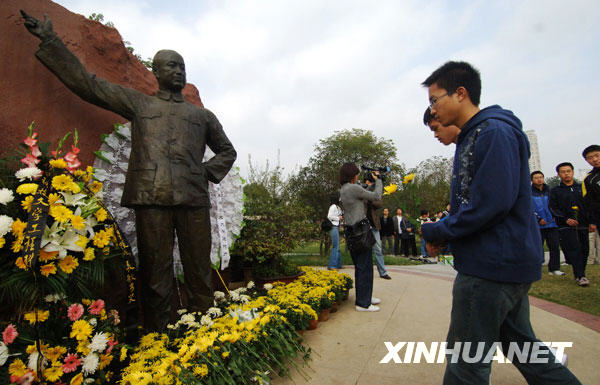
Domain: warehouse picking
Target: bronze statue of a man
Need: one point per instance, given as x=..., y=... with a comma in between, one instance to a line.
x=166, y=182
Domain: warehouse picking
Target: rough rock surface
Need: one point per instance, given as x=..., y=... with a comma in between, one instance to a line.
x=30, y=92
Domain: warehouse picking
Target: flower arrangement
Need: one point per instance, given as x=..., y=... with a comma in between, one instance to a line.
x=248, y=334
x=54, y=232
x=79, y=342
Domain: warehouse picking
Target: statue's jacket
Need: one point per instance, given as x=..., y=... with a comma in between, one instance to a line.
x=168, y=135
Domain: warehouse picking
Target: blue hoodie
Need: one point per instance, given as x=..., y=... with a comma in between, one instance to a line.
x=541, y=210
x=492, y=230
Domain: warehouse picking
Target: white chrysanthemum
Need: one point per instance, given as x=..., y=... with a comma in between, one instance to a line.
x=3, y=353
x=219, y=295
x=93, y=322
x=244, y=298
x=187, y=319
x=98, y=343
x=235, y=296
x=206, y=320
x=89, y=381
x=268, y=286
x=6, y=196
x=90, y=363
x=181, y=311
x=5, y=224
x=250, y=285
x=33, y=359
x=214, y=312
x=54, y=298
x=240, y=290
x=29, y=173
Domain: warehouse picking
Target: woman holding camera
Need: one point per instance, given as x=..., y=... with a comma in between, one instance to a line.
x=359, y=236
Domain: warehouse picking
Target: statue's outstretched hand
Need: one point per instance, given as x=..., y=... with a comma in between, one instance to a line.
x=41, y=29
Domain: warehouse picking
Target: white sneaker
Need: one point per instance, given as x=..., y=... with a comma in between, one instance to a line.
x=583, y=281
x=370, y=308
x=556, y=272
x=375, y=301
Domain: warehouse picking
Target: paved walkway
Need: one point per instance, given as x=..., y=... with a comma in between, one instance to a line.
x=416, y=306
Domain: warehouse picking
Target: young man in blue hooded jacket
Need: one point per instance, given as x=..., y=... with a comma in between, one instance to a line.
x=491, y=229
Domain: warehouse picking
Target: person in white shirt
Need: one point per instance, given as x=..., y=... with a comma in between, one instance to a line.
x=335, y=216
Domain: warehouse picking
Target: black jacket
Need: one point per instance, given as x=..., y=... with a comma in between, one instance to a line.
x=591, y=197
x=387, y=226
x=562, y=201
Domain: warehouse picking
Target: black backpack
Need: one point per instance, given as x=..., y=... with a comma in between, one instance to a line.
x=326, y=225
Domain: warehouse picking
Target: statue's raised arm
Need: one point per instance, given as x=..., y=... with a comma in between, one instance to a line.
x=40, y=29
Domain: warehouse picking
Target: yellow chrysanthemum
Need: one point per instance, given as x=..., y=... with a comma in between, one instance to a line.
x=89, y=255
x=102, y=238
x=68, y=264
x=54, y=372
x=58, y=163
x=42, y=315
x=201, y=371
x=27, y=188
x=53, y=199
x=78, y=173
x=75, y=188
x=18, y=227
x=62, y=182
x=27, y=202
x=105, y=359
x=95, y=186
x=17, y=368
x=408, y=178
x=86, y=302
x=81, y=330
x=82, y=241
x=77, y=222
x=20, y=263
x=100, y=215
x=60, y=213
x=2, y=242
x=83, y=347
x=46, y=256
x=47, y=269
x=77, y=380
x=55, y=353
x=123, y=355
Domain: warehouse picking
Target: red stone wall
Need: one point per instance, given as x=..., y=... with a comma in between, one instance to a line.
x=29, y=92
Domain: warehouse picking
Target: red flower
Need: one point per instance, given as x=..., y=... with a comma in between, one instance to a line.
x=31, y=141
x=96, y=307
x=35, y=151
x=111, y=345
x=71, y=363
x=75, y=311
x=30, y=160
x=9, y=334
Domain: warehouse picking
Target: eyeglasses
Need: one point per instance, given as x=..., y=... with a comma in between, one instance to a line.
x=435, y=100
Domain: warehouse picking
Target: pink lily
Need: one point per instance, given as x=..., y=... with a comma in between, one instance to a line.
x=30, y=160
x=31, y=140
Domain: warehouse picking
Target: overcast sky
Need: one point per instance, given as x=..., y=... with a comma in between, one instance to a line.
x=280, y=75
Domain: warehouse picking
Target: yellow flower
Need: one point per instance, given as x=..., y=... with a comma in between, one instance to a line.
x=225, y=354
x=17, y=368
x=83, y=347
x=20, y=263
x=27, y=202
x=68, y=264
x=95, y=186
x=89, y=254
x=77, y=380
x=86, y=302
x=27, y=188
x=2, y=242
x=201, y=371
x=47, y=269
x=77, y=222
x=82, y=241
x=100, y=215
x=42, y=315
x=46, y=256
x=75, y=188
x=18, y=227
x=575, y=208
x=102, y=238
x=17, y=244
x=123, y=354
x=78, y=173
x=55, y=353
x=53, y=198
x=390, y=189
x=58, y=163
x=81, y=330
x=60, y=213
x=54, y=372
x=105, y=359
x=408, y=178
x=62, y=182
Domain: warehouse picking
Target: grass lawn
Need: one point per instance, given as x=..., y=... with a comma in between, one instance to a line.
x=563, y=290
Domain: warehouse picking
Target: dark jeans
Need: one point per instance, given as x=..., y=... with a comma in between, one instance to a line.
x=489, y=312
x=387, y=244
x=363, y=277
x=412, y=245
x=552, y=240
x=155, y=227
x=576, y=247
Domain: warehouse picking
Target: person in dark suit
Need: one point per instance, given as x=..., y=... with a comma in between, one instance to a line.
x=387, y=232
x=167, y=180
x=400, y=234
x=411, y=242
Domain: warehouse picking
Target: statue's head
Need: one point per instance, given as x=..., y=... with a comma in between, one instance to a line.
x=169, y=69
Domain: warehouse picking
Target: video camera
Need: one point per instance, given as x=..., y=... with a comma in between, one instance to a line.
x=369, y=174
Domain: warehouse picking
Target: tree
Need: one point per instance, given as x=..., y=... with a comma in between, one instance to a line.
x=313, y=185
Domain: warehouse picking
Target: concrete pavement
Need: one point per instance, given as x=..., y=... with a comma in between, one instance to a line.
x=416, y=306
